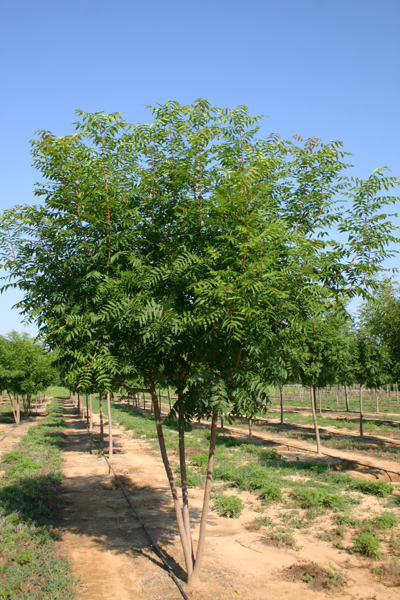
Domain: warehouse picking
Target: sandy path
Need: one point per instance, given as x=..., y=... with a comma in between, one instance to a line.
x=111, y=555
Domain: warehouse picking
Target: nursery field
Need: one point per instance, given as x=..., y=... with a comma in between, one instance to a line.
x=325, y=524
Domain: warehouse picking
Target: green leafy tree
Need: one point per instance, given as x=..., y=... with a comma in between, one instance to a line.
x=174, y=254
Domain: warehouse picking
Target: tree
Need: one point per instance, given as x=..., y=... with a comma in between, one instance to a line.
x=25, y=369
x=174, y=254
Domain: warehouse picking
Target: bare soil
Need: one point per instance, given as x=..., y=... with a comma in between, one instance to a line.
x=112, y=557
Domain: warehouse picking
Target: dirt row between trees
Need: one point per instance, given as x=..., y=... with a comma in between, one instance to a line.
x=112, y=557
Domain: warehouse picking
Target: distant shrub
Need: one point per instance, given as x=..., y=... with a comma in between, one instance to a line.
x=386, y=521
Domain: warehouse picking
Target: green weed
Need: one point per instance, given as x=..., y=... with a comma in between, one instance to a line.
x=228, y=506
x=367, y=544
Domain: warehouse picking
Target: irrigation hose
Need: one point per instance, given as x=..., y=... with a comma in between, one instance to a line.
x=155, y=546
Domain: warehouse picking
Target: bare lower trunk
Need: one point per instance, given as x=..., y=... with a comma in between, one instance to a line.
x=250, y=427
x=90, y=414
x=110, y=436
x=346, y=395
x=15, y=409
x=281, y=401
x=361, y=411
x=169, y=399
x=377, y=401
x=101, y=420
x=314, y=414
x=171, y=480
x=185, y=496
x=79, y=405
x=320, y=402
x=87, y=411
x=193, y=580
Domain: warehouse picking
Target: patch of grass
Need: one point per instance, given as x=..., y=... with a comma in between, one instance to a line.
x=374, y=488
x=228, y=506
x=271, y=493
x=367, y=544
x=318, y=497
x=386, y=521
x=30, y=566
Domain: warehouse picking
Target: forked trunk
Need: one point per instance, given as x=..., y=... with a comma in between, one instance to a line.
x=281, y=401
x=314, y=414
x=101, y=419
x=194, y=578
x=171, y=480
x=110, y=436
x=361, y=411
x=15, y=409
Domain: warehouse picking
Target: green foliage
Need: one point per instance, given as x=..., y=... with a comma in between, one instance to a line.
x=367, y=544
x=318, y=498
x=271, y=493
x=386, y=521
x=374, y=488
x=229, y=506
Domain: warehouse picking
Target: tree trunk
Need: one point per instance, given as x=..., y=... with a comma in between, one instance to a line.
x=90, y=414
x=171, y=480
x=377, y=401
x=79, y=405
x=87, y=411
x=281, y=401
x=110, y=436
x=222, y=422
x=397, y=392
x=346, y=395
x=250, y=427
x=193, y=580
x=314, y=414
x=15, y=409
x=169, y=399
x=185, y=495
x=101, y=419
x=320, y=401
x=361, y=411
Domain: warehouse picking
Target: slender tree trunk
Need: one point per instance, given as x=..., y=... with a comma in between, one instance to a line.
x=397, y=392
x=144, y=401
x=250, y=427
x=346, y=395
x=101, y=419
x=320, y=401
x=193, y=580
x=281, y=401
x=14, y=410
x=170, y=475
x=169, y=399
x=185, y=495
x=90, y=414
x=361, y=411
x=377, y=401
x=222, y=422
x=79, y=405
x=87, y=411
x=314, y=414
x=110, y=436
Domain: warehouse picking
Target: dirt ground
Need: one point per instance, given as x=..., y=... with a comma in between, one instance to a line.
x=112, y=557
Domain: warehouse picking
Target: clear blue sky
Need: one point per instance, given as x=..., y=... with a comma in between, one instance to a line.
x=316, y=67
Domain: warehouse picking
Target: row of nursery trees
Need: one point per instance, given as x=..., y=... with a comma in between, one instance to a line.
x=26, y=370
x=192, y=253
